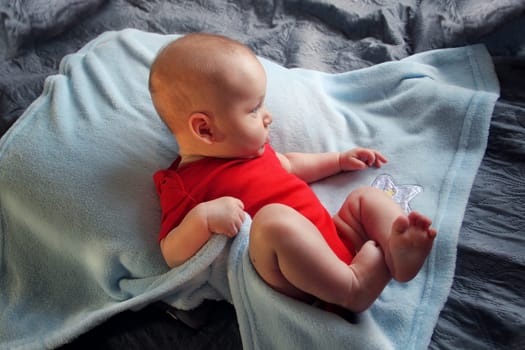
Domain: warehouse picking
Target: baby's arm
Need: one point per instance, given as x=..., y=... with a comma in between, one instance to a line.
x=315, y=166
x=222, y=215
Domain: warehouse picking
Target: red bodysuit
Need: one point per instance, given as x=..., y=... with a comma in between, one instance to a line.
x=255, y=181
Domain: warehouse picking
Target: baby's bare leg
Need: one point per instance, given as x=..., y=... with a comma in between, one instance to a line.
x=368, y=213
x=291, y=255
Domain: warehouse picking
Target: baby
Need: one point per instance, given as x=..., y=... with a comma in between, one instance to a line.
x=210, y=91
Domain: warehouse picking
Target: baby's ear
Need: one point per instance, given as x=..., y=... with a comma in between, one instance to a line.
x=201, y=127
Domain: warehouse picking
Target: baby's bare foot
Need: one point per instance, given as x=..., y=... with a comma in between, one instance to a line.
x=409, y=245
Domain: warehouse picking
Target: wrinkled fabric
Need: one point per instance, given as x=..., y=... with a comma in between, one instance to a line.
x=329, y=36
x=485, y=306
x=82, y=204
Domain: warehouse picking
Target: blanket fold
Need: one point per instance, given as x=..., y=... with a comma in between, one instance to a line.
x=79, y=215
x=429, y=114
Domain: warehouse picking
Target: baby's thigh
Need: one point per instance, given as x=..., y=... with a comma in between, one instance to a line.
x=281, y=240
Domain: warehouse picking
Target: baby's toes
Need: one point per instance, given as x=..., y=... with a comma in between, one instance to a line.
x=401, y=224
x=419, y=220
x=432, y=232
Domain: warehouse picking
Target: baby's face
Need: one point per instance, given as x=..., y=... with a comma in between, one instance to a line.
x=243, y=119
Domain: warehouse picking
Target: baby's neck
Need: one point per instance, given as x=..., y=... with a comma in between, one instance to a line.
x=187, y=159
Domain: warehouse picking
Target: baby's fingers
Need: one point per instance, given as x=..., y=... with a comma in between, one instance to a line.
x=378, y=159
x=237, y=218
x=355, y=164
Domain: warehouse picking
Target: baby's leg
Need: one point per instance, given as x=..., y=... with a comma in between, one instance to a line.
x=291, y=255
x=369, y=213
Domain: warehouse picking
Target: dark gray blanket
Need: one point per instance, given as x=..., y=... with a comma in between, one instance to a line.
x=485, y=308
x=331, y=36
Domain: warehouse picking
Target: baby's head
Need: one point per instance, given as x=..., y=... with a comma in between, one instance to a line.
x=203, y=86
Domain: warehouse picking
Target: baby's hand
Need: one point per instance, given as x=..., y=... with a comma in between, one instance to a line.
x=225, y=215
x=360, y=158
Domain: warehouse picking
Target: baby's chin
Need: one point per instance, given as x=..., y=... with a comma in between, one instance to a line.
x=256, y=153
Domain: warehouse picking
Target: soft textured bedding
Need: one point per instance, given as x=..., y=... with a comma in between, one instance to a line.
x=484, y=309
x=100, y=142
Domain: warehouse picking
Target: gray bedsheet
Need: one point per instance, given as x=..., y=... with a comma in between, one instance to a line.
x=485, y=309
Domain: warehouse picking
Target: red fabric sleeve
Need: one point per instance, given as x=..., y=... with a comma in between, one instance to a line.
x=174, y=200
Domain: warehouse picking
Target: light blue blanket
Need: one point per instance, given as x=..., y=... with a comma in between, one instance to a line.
x=79, y=215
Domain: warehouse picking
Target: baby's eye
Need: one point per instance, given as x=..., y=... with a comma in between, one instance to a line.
x=257, y=108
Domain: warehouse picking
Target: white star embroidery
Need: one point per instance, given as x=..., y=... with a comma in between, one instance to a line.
x=402, y=194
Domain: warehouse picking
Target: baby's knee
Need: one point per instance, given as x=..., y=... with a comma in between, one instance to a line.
x=270, y=219
x=278, y=223
x=359, y=198
x=364, y=193
x=274, y=214
x=272, y=210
